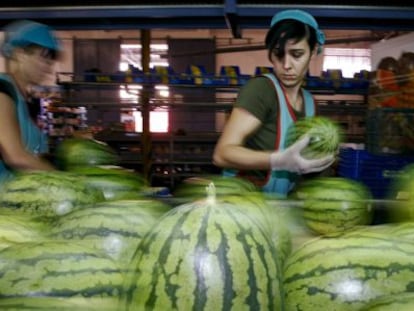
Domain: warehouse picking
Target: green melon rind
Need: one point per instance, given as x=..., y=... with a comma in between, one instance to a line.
x=346, y=272
x=195, y=187
x=75, y=152
x=398, y=302
x=333, y=204
x=114, y=227
x=268, y=216
x=114, y=183
x=205, y=256
x=325, y=136
x=59, y=303
x=48, y=193
x=18, y=227
x=58, y=269
x=401, y=190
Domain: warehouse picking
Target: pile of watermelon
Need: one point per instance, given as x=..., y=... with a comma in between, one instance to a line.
x=220, y=251
x=63, y=246
x=72, y=240
x=139, y=253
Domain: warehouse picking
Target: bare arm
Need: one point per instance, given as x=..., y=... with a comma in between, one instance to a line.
x=230, y=151
x=12, y=150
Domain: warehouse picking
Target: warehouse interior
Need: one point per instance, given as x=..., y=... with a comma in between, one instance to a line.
x=104, y=41
x=133, y=215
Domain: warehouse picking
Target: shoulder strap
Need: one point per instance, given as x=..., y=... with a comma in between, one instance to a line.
x=279, y=91
x=309, y=103
x=307, y=96
x=284, y=118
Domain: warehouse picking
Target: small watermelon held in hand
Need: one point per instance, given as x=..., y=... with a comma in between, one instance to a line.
x=325, y=136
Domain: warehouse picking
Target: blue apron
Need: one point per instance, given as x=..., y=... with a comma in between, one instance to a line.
x=280, y=183
x=32, y=137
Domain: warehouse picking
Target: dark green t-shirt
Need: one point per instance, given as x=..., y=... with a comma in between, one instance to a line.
x=258, y=96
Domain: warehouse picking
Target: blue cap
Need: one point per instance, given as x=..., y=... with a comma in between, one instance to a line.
x=300, y=16
x=24, y=33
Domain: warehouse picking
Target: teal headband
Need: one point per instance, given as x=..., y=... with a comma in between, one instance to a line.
x=300, y=16
x=25, y=32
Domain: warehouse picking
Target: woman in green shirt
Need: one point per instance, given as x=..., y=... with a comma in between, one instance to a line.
x=253, y=141
x=30, y=49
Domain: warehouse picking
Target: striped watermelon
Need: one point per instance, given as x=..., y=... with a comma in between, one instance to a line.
x=387, y=229
x=289, y=218
x=48, y=193
x=399, y=231
x=332, y=204
x=116, y=183
x=58, y=269
x=17, y=227
x=76, y=151
x=402, y=190
x=399, y=302
x=403, y=230
x=195, y=187
x=267, y=216
x=114, y=227
x=325, y=136
x=43, y=303
x=344, y=273
x=205, y=255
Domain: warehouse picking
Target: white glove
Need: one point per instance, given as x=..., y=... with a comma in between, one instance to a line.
x=291, y=159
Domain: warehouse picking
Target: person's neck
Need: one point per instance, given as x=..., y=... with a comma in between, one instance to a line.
x=294, y=96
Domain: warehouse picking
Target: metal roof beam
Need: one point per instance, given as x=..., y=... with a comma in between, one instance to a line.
x=232, y=18
x=228, y=14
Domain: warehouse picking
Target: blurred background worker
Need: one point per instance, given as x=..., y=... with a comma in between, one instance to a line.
x=253, y=141
x=30, y=49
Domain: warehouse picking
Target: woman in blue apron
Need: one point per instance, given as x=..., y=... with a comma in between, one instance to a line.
x=252, y=144
x=30, y=49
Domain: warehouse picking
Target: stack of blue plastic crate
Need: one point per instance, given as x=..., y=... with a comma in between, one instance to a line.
x=233, y=75
x=374, y=170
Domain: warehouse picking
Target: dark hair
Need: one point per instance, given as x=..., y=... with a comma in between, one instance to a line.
x=286, y=30
x=44, y=52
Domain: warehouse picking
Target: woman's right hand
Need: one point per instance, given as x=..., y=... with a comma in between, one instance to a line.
x=291, y=159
